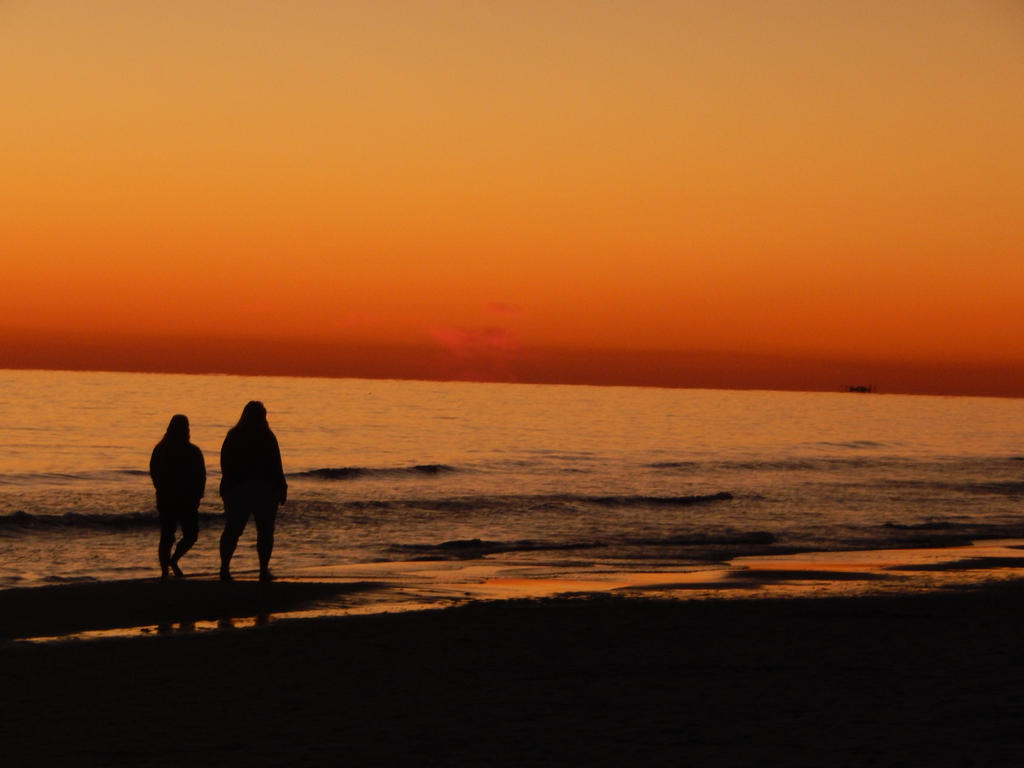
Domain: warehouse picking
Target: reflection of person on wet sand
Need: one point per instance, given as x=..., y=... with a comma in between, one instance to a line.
x=179, y=476
x=252, y=483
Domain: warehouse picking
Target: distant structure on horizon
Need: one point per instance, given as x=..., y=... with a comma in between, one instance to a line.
x=861, y=388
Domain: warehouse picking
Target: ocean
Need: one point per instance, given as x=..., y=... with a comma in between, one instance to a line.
x=554, y=477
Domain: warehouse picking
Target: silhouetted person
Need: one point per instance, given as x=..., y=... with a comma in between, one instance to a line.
x=179, y=476
x=252, y=483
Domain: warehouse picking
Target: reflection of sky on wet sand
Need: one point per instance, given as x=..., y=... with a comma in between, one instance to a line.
x=398, y=587
x=809, y=573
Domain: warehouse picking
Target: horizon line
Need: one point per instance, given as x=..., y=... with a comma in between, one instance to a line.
x=842, y=389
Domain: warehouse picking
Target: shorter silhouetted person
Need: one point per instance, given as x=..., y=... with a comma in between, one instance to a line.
x=179, y=476
x=252, y=483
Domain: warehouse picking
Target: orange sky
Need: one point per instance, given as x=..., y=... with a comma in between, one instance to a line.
x=502, y=188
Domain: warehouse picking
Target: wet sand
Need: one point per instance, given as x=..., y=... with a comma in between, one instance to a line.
x=147, y=604
x=201, y=602
x=933, y=678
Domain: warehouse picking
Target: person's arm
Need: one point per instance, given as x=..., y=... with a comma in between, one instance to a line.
x=282, y=483
x=200, y=475
x=225, y=456
x=154, y=467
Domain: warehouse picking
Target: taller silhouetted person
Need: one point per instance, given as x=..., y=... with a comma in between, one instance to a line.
x=179, y=476
x=252, y=483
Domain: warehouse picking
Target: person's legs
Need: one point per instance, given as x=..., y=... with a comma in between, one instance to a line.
x=265, y=516
x=235, y=517
x=189, y=535
x=168, y=526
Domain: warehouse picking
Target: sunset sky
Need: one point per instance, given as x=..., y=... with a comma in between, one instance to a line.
x=788, y=193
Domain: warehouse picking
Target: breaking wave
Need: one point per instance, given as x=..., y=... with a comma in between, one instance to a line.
x=536, y=502
x=348, y=473
x=468, y=549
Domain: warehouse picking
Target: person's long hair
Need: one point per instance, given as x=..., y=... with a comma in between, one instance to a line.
x=254, y=416
x=177, y=429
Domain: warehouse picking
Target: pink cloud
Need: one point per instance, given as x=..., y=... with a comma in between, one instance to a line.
x=475, y=340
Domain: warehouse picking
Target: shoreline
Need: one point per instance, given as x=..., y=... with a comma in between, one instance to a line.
x=142, y=607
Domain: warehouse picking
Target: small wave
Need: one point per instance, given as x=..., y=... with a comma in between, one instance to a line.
x=29, y=478
x=1009, y=488
x=432, y=469
x=944, y=533
x=707, y=546
x=673, y=465
x=808, y=464
x=974, y=529
x=468, y=549
x=559, y=500
x=713, y=539
x=1003, y=488
x=48, y=478
x=331, y=473
x=944, y=525
x=25, y=520
x=666, y=501
x=348, y=473
x=850, y=444
x=504, y=504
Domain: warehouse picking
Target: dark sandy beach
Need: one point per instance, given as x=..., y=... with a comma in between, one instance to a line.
x=912, y=679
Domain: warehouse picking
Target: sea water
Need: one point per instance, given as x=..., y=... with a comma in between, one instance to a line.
x=608, y=478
